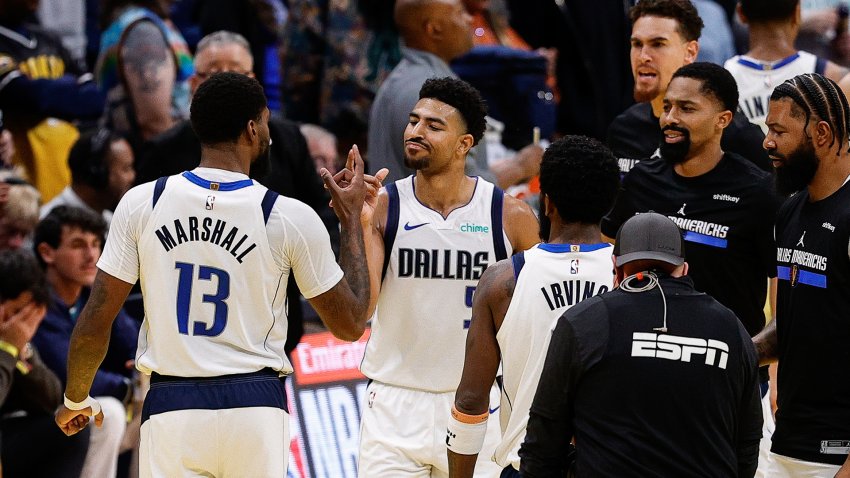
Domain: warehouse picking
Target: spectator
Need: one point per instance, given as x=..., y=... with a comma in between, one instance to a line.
x=652, y=379
x=144, y=67
x=68, y=244
x=68, y=21
x=664, y=38
x=18, y=211
x=434, y=32
x=101, y=164
x=322, y=146
x=291, y=170
x=41, y=85
x=29, y=391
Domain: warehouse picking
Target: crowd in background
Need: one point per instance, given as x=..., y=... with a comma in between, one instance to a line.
x=95, y=98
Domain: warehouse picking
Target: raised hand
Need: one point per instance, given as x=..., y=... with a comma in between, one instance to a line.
x=347, y=187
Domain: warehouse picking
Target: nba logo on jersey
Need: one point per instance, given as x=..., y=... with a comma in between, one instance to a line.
x=210, y=201
x=795, y=275
x=574, y=266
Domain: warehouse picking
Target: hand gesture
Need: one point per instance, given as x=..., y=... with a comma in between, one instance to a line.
x=72, y=421
x=348, y=188
x=19, y=328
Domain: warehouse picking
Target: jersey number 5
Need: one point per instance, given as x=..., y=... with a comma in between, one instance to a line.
x=184, y=299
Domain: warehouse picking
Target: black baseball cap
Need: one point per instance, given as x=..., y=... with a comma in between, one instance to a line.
x=649, y=236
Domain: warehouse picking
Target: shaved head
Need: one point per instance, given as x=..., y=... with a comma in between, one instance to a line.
x=441, y=27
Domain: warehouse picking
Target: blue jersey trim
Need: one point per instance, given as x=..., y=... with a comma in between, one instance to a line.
x=569, y=247
x=231, y=186
x=518, y=261
x=257, y=389
x=393, y=212
x=496, y=207
x=268, y=203
x=706, y=240
x=158, y=188
x=804, y=277
x=768, y=66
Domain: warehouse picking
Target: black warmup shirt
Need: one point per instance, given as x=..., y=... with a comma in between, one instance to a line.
x=636, y=134
x=813, y=321
x=727, y=217
x=641, y=403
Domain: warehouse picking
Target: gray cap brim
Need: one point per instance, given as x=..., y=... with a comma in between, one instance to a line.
x=650, y=255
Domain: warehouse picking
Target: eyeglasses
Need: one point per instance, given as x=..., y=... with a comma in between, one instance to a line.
x=205, y=75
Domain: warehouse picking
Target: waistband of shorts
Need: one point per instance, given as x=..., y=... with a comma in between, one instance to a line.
x=263, y=373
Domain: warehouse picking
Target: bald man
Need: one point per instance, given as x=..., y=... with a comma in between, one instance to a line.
x=434, y=32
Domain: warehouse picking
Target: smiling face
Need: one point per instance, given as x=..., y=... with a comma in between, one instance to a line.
x=435, y=135
x=74, y=260
x=657, y=51
x=691, y=119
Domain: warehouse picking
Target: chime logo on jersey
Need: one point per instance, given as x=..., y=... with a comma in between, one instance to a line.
x=469, y=227
x=680, y=349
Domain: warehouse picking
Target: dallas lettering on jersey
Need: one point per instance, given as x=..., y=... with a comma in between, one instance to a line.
x=209, y=232
x=441, y=264
x=801, y=258
x=681, y=349
x=570, y=292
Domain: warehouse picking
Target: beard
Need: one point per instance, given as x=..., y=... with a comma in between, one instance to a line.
x=675, y=153
x=643, y=95
x=416, y=164
x=261, y=166
x=798, y=170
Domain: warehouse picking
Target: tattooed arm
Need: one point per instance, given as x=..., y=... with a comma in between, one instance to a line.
x=89, y=343
x=149, y=71
x=766, y=344
x=490, y=303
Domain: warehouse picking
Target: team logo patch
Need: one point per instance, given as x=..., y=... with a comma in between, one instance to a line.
x=575, y=248
x=795, y=275
x=210, y=202
x=214, y=186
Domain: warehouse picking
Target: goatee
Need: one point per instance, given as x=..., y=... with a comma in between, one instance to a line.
x=675, y=153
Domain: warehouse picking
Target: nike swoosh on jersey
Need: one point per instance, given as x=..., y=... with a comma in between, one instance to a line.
x=408, y=227
x=494, y=410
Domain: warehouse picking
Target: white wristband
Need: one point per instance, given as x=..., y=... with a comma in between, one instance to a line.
x=465, y=438
x=88, y=402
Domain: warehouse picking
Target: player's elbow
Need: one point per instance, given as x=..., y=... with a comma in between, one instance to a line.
x=352, y=332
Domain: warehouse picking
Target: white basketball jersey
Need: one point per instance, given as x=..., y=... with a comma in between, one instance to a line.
x=213, y=257
x=432, y=268
x=551, y=278
x=756, y=80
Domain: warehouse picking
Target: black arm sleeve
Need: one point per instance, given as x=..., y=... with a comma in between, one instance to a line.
x=550, y=424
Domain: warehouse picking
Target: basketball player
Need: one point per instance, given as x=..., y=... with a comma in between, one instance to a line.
x=518, y=300
x=772, y=57
x=213, y=250
x=807, y=139
x=435, y=232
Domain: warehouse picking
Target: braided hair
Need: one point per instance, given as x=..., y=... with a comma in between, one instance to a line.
x=817, y=95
